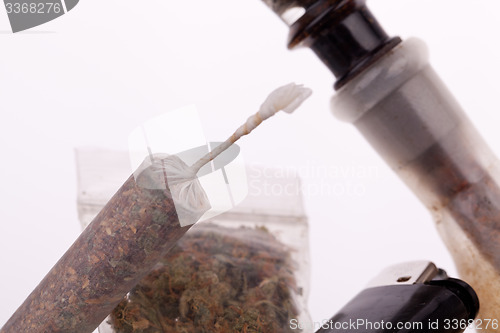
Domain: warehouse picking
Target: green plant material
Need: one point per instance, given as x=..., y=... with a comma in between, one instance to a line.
x=123, y=243
x=215, y=280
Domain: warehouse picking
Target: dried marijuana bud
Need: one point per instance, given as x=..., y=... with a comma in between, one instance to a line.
x=215, y=280
x=135, y=229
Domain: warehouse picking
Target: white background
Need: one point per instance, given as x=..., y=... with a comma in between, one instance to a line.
x=91, y=76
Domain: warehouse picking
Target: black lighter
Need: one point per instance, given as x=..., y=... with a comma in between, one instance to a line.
x=409, y=297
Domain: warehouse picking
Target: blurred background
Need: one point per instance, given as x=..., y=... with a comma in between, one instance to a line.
x=93, y=75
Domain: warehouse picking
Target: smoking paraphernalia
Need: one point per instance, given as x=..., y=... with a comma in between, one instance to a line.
x=128, y=237
x=389, y=91
x=409, y=297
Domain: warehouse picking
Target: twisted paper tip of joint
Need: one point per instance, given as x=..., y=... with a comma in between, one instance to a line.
x=286, y=98
x=189, y=197
x=187, y=193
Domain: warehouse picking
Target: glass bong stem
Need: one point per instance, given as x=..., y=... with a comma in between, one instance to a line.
x=388, y=90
